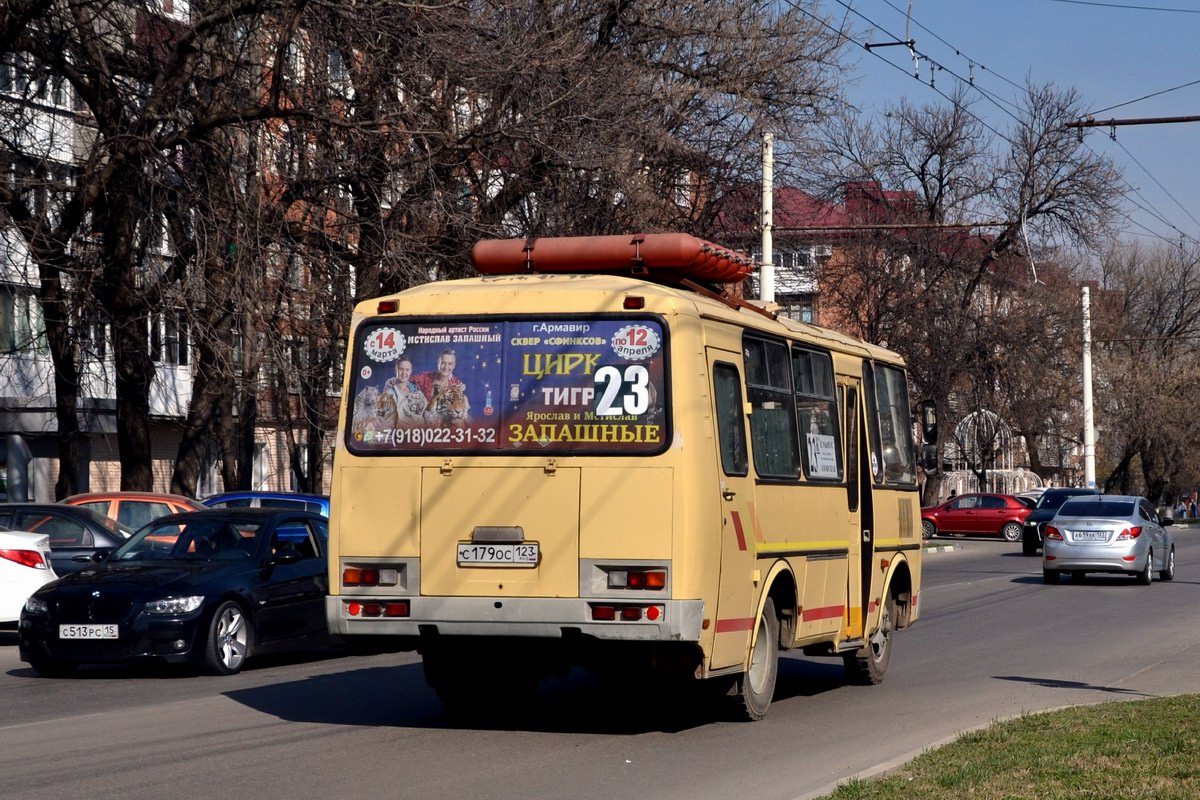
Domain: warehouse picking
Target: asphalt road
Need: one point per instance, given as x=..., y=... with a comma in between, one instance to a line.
x=993, y=642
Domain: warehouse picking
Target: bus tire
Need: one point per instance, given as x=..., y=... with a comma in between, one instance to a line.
x=755, y=687
x=867, y=665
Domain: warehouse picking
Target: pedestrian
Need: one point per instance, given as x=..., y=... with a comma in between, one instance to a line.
x=1192, y=510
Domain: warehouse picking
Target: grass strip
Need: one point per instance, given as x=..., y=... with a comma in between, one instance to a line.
x=1127, y=750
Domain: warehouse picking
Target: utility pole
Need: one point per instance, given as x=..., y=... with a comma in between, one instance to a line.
x=766, y=272
x=1089, y=423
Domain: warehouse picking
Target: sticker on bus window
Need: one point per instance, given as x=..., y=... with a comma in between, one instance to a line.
x=384, y=345
x=566, y=386
x=822, y=456
x=636, y=342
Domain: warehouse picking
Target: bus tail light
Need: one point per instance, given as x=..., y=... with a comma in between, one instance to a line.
x=603, y=612
x=369, y=576
x=638, y=579
x=396, y=608
x=1053, y=533
x=1130, y=533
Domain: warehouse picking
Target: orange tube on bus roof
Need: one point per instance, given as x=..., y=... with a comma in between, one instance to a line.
x=669, y=255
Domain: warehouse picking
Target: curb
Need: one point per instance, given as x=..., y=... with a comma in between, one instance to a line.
x=941, y=548
x=891, y=766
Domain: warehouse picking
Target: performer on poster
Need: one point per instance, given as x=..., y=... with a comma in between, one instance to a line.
x=447, y=395
x=410, y=400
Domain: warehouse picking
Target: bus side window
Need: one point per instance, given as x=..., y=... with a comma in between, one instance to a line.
x=773, y=420
x=894, y=426
x=731, y=427
x=851, y=406
x=817, y=414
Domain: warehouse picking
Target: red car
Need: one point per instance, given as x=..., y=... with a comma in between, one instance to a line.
x=977, y=515
x=134, y=509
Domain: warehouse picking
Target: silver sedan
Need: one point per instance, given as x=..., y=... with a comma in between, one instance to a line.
x=1109, y=533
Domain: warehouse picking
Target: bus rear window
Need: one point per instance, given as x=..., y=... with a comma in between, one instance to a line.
x=543, y=386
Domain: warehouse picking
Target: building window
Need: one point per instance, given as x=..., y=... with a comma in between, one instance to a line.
x=300, y=475
x=800, y=307
x=22, y=329
x=260, y=467
x=169, y=341
x=95, y=335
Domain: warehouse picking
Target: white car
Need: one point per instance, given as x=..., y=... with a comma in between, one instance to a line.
x=24, y=568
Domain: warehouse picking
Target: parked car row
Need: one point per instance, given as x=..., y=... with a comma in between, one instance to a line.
x=1078, y=530
x=210, y=587
x=84, y=524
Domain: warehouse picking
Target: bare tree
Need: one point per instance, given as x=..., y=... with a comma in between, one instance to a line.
x=1147, y=327
x=964, y=309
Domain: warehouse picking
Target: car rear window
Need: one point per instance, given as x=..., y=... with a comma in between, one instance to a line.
x=279, y=502
x=1097, y=508
x=1056, y=499
x=240, y=502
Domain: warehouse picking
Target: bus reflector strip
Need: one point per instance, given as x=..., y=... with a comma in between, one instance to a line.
x=732, y=625
x=737, y=528
x=828, y=612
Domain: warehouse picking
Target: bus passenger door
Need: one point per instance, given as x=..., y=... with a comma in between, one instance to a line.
x=858, y=502
x=734, y=617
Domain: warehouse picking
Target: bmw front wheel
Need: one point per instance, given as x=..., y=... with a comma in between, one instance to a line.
x=229, y=638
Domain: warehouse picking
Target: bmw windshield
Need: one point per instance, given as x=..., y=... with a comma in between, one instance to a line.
x=201, y=540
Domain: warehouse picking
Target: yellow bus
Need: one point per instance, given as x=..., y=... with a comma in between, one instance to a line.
x=590, y=458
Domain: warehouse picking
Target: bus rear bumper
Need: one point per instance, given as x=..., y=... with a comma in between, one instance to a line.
x=536, y=617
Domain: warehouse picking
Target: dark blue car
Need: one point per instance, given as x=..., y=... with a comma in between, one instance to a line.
x=301, y=502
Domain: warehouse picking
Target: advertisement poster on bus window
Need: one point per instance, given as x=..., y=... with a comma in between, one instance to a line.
x=564, y=386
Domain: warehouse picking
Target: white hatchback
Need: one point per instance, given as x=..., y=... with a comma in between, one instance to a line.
x=24, y=568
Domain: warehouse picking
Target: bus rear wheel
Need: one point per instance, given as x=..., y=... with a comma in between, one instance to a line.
x=755, y=687
x=867, y=665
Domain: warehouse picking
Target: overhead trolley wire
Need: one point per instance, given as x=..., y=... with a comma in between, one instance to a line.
x=1143, y=97
x=1128, y=6
x=991, y=98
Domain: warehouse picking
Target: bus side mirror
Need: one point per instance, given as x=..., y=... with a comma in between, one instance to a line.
x=929, y=431
x=929, y=457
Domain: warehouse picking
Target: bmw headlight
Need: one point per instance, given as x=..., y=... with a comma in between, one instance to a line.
x=174, y=605
x=35, y=605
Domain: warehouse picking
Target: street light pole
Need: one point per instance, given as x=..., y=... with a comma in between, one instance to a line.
x=766, y=272
x=1089, y=422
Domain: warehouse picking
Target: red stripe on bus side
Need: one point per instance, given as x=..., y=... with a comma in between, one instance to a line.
x=737, y=528
x=828, y=612
x=730, y=625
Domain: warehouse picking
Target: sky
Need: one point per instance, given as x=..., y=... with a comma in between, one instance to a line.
x=1111, y=54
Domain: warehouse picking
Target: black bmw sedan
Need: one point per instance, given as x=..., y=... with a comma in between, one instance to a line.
x=210, y=587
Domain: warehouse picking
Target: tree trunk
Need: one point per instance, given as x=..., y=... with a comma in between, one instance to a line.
x=66, y=383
